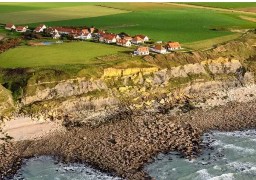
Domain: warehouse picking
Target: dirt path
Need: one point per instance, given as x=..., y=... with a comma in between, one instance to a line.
x=214, y=8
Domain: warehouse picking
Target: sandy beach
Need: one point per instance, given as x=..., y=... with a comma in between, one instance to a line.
x=25, y=128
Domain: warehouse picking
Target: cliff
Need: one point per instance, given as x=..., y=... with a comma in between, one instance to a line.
x=172, y=80
x=150, y=88
x=6, y=102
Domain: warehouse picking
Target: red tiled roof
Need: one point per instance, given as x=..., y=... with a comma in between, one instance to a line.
x=140, y=35
x=109, y=36
x=173, y=44
x=9, y=25
x=122, y=41
x=142, y=49
x=159, y=47
x=137, y=38
x=85, y=30
x=127, y=37
x=39, y=27
x=20, y=28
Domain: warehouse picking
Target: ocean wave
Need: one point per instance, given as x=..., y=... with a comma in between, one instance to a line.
x=228, y=176
x=242, y=150
x=205, y=175
x=246, y=133
x=248, y=168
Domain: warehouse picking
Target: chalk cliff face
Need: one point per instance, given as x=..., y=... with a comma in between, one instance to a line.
x=139, y=87
x=6, y=102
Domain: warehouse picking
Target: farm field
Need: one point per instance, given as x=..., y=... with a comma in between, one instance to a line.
x=22, y=6
x=185, y=25
x=226, y=5
x=57, y=54
x=160, y=21
x=55, y=14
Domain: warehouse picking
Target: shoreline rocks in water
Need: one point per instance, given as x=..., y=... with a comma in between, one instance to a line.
x=123, y=147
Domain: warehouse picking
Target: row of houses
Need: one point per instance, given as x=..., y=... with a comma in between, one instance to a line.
x=17, y=29
x=121, y=39
x=158, y=48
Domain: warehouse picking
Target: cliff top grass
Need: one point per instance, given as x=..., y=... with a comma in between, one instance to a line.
x=83, y=53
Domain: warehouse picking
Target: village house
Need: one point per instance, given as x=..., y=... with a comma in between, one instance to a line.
x=21, y=28
x=56, y=35
x=158, y=48
x=10, y=26
x=145, y=38
x=123, y=42
x=82, y=36
x=92, y=29
x=173, y=46
x=64, y=30
x=129, y=38
x=85, y=31
x=40, y=28
x=137, y=40
x=108, y=38
x=141, y=50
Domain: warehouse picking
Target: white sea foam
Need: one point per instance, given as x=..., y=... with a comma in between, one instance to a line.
x=203, y=174
x=246, y=133
x=243, y=167
x=242, y=150
x=228, y=176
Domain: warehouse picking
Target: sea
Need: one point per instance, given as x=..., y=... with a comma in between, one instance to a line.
x=228, y=156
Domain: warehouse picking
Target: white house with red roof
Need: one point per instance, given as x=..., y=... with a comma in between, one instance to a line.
x=56, y=35
x=10, y=26
x=40, y=28
x=145, y=38
x=21, y=28
x=83, y=36
x=123, y=42
x=158, y=48
x=171, y=46
x=141, y=50
x=137, y=40
x=108, y=38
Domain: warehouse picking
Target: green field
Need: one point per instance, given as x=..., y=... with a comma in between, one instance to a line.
x=226, y=5
x=56, y=14
x=160, y=21
x=181, y=24
x=57, y=54
x=16, y=7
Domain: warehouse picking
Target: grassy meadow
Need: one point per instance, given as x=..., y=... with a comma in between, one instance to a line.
x=160, y=21
x=57, y=54
x=6, y=7
x=56, y=14
x=185, y=25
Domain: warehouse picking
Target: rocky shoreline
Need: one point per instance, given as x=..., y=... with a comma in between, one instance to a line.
x=123, y=147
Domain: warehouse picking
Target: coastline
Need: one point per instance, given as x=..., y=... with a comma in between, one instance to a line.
x=122, y=148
